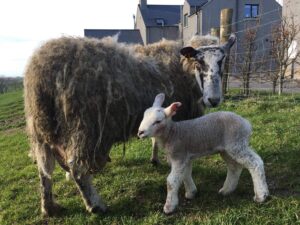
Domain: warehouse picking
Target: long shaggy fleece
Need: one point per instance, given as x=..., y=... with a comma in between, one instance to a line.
x=83, y=95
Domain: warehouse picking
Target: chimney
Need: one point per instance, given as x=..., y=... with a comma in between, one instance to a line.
x=143, y=4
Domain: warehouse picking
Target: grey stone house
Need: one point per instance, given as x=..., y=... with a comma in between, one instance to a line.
x=157, y=21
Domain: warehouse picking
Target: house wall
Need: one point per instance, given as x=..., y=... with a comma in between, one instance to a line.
x=211, y=14
x=156, y=33
x=291, y=10
x=140, y=25
x=191, y=29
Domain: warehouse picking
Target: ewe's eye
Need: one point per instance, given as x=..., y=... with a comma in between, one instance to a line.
x=157, y=122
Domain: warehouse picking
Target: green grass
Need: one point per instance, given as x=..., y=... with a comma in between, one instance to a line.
x=135, y=190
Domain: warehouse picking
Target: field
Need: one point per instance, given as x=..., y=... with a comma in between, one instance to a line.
x=135, y=190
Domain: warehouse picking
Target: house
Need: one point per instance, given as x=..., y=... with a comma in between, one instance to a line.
x=157, y=21
x=199, y=16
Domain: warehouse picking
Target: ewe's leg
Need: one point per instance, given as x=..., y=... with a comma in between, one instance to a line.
x=46, y=163
x=154, y=157
x=174, y=181
x=92, y=200
x=233, y=174
x=255, y=165
x=189, y=185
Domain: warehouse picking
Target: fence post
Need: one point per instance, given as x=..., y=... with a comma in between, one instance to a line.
x=225, y=31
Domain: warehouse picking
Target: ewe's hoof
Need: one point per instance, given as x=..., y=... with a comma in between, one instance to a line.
x=155, y=162
x=52, y=210
x=98, y=210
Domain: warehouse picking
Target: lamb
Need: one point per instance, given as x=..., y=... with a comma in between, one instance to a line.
x=220, y=132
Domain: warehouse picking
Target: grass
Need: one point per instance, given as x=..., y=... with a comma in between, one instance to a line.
x=135, y=190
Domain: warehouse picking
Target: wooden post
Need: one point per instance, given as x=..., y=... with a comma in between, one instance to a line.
x=225, y=31
x=215, y=31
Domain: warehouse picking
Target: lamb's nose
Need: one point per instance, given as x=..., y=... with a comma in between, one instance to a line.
x=140, y=133
x=214, y=101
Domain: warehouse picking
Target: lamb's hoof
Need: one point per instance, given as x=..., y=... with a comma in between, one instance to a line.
x=155, y=162
x=223, y=191
x=52, y=210
x=261, y=199
x=68, y=176
x=190, y=195
x=169, y=209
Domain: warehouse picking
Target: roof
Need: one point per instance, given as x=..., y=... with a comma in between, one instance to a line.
x=125, y=36
x=197, y=2
x=169, y=13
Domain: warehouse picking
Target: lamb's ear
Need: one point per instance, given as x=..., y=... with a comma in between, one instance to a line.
x=230, y=42
x=188, y=52
x=159, y=100
x=172, y=109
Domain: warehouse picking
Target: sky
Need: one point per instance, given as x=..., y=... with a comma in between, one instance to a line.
x=26, y=24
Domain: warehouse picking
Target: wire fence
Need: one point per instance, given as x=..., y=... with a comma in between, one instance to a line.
x=262, y=67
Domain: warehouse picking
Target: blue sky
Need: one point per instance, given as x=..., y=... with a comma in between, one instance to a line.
x=26, y=24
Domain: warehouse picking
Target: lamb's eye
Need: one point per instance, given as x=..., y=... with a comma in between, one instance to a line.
x=157, y=122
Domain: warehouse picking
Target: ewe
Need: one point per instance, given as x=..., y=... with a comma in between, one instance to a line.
x=221, y=132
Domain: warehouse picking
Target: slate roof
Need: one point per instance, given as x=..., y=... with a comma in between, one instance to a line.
x=125, y=36
x=169, y=13
x=197, y=2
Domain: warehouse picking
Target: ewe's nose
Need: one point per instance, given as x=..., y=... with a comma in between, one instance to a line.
x=140, y=132
x=214, y=101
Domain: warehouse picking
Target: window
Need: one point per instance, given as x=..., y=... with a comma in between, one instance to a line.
x=185, y=20
x=160, y=22
x=251, y=10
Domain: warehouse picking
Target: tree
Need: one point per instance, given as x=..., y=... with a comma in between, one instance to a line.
x=247, y=63
x=282, y=40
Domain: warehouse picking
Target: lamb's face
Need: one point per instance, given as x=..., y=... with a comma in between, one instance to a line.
x=153, y=123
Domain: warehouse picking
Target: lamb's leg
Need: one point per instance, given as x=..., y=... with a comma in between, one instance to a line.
x=68, y=176
x=92, y=200
x=233, y=174
x=255, y=165
x=190, y=187
x=154, y=157
x=46, y=163
x=174, y=181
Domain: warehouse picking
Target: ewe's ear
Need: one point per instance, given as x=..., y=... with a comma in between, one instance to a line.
x=188, y=52
x=230, y=42
x=159, y=100
x=172, y=109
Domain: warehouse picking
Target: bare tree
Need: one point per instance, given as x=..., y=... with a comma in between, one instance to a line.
x=247, y=63
x=282, y=40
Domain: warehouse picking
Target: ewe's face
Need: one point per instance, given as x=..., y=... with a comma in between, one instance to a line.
x=152, y=123
x=208, y=72
x=209, y=63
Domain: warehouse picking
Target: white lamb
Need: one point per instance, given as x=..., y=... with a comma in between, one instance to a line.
x=220, y=132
